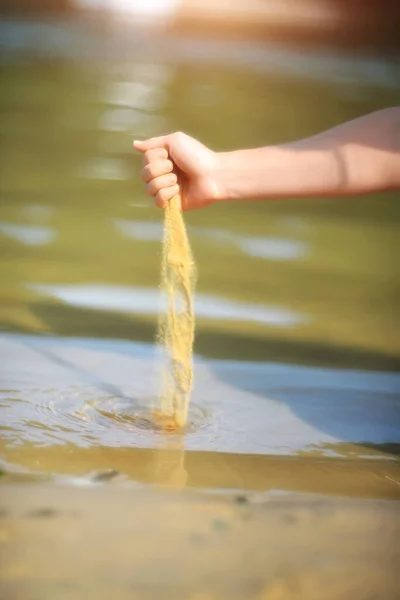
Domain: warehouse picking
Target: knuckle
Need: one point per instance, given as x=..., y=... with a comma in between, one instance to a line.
x=158, y=168
x=162, y=195
x=157, y=154
x=153, y=187
x=152, y=170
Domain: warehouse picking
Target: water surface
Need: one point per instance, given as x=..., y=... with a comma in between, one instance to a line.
x=281, y=284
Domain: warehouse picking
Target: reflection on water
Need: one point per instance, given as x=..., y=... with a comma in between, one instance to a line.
x=148, y=302
x=91, y=411
x=136, y=94
x=31, y=235
x=147, y=231
x=268, y=248
x=255, y=408
x=132, y=122
x=106, y=168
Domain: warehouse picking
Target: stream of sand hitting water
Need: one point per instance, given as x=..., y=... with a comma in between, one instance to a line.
x=176, y=324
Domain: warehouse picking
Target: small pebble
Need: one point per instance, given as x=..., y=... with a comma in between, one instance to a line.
x=105, y=475
x=241, y=499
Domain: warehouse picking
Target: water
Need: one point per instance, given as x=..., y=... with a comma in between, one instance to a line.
x=297, y=347
x=95, y=397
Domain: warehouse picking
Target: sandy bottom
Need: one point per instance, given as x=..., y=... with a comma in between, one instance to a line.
x=61, y=543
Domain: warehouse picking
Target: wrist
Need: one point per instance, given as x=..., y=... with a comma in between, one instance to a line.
x=228, y=169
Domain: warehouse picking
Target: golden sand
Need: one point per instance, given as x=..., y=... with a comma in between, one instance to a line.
x=176, y=324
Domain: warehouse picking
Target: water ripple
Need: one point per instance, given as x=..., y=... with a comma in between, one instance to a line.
x=94, y=393
x=85, y=415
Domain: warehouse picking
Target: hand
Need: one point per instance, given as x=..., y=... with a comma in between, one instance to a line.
x=177, y=163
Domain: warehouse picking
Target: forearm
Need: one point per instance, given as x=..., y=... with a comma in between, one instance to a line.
x=359, y=157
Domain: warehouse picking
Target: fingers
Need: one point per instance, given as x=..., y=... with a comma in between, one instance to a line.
x=156, y=169
x=152, y=143
x=153, y=155
x=165, y=195
x=157, y=172
x=159, y=183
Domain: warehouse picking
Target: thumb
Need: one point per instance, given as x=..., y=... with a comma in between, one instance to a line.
x=152, y=143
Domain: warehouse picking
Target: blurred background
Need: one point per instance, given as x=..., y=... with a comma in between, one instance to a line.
x=304, y=281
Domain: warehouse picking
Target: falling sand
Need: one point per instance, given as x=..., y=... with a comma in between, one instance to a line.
x=176, y=324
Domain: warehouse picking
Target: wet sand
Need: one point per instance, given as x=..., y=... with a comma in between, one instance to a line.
x=61, y=543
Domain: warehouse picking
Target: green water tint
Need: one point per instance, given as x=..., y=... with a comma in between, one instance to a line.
x=67, y=170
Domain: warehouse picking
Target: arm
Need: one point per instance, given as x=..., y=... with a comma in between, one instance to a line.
x=358, y=157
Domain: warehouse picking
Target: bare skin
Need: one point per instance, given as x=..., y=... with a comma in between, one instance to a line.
x=358, y=157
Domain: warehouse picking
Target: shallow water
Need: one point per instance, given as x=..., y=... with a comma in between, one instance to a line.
x=297, y=346
x=251, y=427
